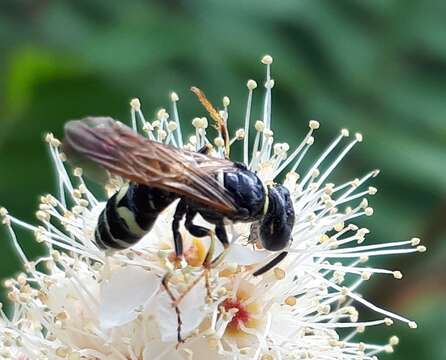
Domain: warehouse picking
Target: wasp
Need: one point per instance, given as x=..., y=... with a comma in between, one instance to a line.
x=220, y=190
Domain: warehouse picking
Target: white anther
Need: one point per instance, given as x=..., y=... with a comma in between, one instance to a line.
x=204, y=122
x=77, y=210
x=56, y=143
x=328, y=189
x=345, y=132
x=162, y=114
x=219, y=142
x=324, y=238
x=42, y=215
x=268, y=133
x=364, y=259
x=135, y=104
x=329, y=203
x=355, y=182
x=76, y=193
x=360, y=329
x=193, y=140
x=162, y=134
x=360, y=234
x=156, y=123
x=292, y=176
x=171, y=126
x=267, y=60
x=323, y=309
x=364, y=203
x=147, y=127
x=358, y=137
x=313, y=124
x=174, y=96
x=260, y=126
x=226, y=101
x=366, y=275
x=394, y=340
x=251, y=84
x=279, y=149
x=197, y=123
x=77, y=172
x=240, y=134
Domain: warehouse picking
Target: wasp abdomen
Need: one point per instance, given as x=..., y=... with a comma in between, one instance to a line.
x=129, y=215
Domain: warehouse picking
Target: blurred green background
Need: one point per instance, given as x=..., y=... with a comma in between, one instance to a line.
x=376, y=66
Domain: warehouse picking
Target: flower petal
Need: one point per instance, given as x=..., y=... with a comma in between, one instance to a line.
x=244, y=255
x=128, y=290
x=158, y=350
x=201, y=350
x=192, y=312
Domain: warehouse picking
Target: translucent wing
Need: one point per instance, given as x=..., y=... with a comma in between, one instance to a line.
x=121, y=151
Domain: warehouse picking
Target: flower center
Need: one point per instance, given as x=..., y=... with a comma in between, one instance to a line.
x=240, y=317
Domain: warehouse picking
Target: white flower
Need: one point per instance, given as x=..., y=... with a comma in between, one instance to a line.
x=78, y=302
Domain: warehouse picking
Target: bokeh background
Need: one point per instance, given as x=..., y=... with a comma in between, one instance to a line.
x=376, y=66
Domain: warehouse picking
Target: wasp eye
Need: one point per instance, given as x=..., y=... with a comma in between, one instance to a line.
x=278, y=222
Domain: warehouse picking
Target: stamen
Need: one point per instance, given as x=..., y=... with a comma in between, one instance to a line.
x=267, y=60
x=251, y=86
x=322, y=158
x=358, y=138
x=135, y=106
x=174, y=98
x=306, y=290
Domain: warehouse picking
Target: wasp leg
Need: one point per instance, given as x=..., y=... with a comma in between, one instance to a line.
x=209, y=262
x=200, y=231
x=180, y=211
x=178, y=243
x=165, y=283
x=195, y=230
x=277, y=259
x=221, y=234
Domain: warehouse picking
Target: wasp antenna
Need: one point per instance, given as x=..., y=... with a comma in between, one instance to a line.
x=215, y=115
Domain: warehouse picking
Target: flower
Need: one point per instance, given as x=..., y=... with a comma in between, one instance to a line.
x=78, y=302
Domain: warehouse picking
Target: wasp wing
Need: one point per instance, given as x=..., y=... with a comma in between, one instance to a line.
x=121, y=151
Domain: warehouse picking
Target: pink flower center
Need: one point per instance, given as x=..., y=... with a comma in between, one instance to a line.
x=240, y=317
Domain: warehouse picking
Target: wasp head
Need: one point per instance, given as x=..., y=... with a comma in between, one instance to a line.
x=277, y=224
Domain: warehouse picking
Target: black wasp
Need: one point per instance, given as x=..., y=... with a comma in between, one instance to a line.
x=217, y=189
